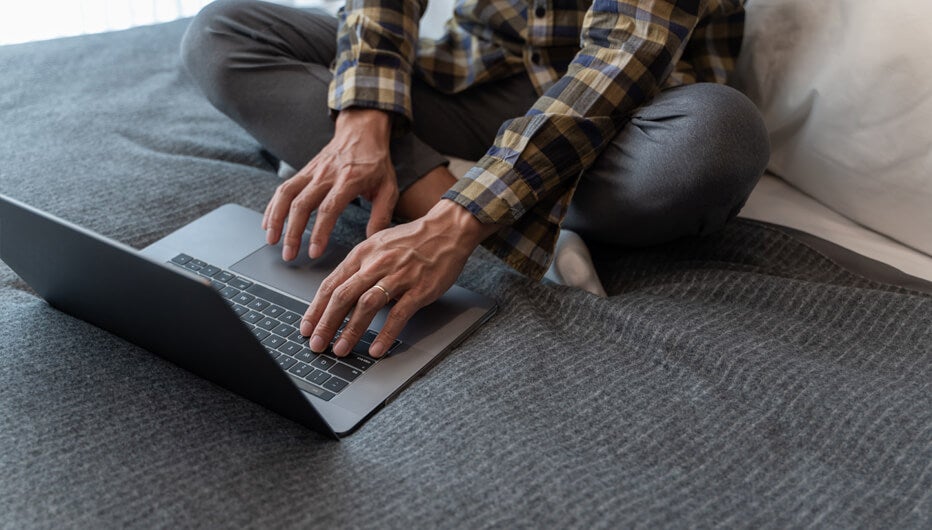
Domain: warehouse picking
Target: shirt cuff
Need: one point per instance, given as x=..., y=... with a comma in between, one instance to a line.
x=374, y=87
x=491, y=198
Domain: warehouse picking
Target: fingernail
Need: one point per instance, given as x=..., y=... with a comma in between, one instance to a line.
x=318, y=344
x=289, y=253
x=341, y=348
x=314, y=251
x=377, y=349
x=306, y=328
x=268, y=236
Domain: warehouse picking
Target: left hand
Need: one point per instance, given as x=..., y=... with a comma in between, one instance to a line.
x=414, y=263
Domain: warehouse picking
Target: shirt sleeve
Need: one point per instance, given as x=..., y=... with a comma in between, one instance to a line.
x=527, y=178
x=376, y=42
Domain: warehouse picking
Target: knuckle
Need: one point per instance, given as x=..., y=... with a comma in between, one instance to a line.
x=343, y=296
x=300, y=204
x=398, y=316
x=324, y=329
x=352, y=332
x=370, y=301
x=329, y=284
x=329, y=206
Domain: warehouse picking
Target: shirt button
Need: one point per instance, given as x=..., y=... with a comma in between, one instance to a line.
x=540, y=12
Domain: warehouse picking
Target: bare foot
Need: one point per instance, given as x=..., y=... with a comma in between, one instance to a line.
x=424, y=194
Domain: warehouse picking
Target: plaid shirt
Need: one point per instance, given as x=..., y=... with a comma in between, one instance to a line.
x=593, y=63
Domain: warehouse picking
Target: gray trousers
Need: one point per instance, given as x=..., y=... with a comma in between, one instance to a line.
x=683, y=165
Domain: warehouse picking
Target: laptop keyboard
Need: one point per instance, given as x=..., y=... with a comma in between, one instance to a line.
x=274, y=319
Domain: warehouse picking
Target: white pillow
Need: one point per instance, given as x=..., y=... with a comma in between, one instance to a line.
x=845, y=87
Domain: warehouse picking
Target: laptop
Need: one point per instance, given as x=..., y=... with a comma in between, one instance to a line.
x=215, y=299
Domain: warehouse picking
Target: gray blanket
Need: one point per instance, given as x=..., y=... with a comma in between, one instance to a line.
x=741, y=379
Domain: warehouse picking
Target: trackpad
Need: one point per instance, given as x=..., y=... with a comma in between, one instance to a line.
x=300, y=277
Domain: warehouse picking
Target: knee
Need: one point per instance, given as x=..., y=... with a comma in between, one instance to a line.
x=733, y=144
x=684, y=166
x=206, y=45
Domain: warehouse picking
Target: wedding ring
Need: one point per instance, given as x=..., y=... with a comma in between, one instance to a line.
x=388, y=296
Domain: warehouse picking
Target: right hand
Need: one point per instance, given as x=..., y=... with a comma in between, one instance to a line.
x=355, y=162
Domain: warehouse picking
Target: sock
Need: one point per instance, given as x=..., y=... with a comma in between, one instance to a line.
x=572, y=265
x=285, y=171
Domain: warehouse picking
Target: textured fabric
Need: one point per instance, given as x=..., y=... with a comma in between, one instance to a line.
x=737, y=380
x=263, y=65
x=593, y=63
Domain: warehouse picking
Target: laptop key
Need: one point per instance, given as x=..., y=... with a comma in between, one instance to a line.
x=323, y=363
x=318, y=392
x=278, y=299
x=300, y=369
x=253, y=317
x=335, y=384
x=217, y=285
x=345, y=372
x=284, y=330
x=274, y=311
x=258, y=304
x=268, y=323
x=260, y=333
x=358, y=362
x=244, y=298
x=181, y=259
x=318, y=377
x=240, y=283
x=290, y=348
x=192, y=266
x=240, y=310
x=362, y=347
x=224, y=276
x=273, y=341
x=286, y=362
x=289, y=317
x=228, y=292
x=210, y=271
x=304, y=354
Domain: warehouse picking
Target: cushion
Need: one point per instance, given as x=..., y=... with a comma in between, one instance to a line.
x=845, y=87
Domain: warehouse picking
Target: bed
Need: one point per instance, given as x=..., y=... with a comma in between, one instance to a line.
x=757, y=377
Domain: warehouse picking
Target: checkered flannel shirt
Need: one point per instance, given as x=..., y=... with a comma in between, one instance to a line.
x=593, y=62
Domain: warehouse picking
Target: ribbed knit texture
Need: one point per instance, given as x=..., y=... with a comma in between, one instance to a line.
x=739, y=380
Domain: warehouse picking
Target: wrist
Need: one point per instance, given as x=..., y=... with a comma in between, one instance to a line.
x=375, y=121
x=459, y=220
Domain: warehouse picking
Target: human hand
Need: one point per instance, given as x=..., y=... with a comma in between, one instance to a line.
x=355, y=162
x=414, y=262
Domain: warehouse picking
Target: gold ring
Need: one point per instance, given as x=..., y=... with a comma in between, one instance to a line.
x=388, y=297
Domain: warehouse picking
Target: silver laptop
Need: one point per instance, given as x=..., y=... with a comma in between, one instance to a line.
x=214, y=298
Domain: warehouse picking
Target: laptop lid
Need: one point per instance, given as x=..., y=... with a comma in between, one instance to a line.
x=112, y=286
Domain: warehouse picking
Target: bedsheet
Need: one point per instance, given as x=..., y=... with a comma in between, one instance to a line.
x=740, y=379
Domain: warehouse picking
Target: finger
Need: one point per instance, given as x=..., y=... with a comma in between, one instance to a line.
x=298, y=215
x=278, y=208
x=341, y=302
x=327, y=215
x=396, y=320
x=383, y=205
x=312, y=316
x=370, y=302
